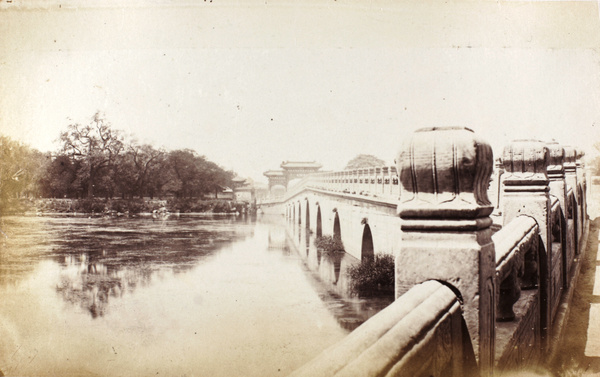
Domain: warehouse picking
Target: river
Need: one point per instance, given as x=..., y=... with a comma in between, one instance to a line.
x=193, y=296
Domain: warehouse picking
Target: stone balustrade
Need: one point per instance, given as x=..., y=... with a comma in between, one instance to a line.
x=444, y=207
x=511, y=279
x=401, y=340
x=518, y=332
x=516, y=263
x=375, y=182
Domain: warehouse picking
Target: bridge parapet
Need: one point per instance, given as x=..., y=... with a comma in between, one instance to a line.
x=424, y=322
x=446, y=235
x=375, y=182
x=518, y=331
x=513, y=285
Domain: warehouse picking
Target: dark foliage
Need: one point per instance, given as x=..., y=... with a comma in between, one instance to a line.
x=95, y=161
x=364, y=161
x=329, y=244
x=89, y=206
x=373, y=274
x=185, y=205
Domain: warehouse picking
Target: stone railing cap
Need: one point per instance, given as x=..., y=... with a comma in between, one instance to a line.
x=526, y=160
x=557, y=157
x=444, y=173
x=570, y=155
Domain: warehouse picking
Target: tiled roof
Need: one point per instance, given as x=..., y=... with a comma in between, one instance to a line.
x=301, y=164
x=274, y=173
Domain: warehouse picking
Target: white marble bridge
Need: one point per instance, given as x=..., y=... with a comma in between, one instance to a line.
x=487, y=255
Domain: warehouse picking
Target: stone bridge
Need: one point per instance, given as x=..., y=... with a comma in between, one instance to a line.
x=486, y=254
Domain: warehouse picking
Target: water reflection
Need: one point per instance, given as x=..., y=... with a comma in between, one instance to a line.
x=90, y=284
x=277, y=239
x=328, y=273
x=105, y=258
x=195, y=296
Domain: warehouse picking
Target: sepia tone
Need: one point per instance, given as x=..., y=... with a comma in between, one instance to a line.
x=479, y=119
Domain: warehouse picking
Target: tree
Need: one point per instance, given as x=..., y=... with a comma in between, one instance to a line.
x=159, y=177
x=182, y=165
x=96, y=146
x=20, y=168
x=146, y=159
x=136, y=167
x=191, y=175
x=364, y=161
x=222, y=178
x=58, y=178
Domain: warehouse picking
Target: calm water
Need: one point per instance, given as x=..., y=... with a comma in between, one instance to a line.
x=189, y=296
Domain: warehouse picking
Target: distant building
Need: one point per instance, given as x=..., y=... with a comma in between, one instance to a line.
x=294, y=170
x=246, y=190
x=290, y=170
x=221, y=192
x=277, y=179
x=261, y=190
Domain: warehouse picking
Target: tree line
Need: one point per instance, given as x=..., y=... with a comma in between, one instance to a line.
x=95, y=160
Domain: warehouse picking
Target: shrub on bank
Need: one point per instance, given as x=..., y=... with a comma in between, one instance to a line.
x=119, y=206
x=197, y=205
x=133, y=205
x=89, y=206
x=16, y=206
x=329, y=244
x=372, y=274
x=54, y=205
x=221, y=207
x=113, y=206
x=95, y=205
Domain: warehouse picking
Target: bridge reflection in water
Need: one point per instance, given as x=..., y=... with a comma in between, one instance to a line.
x=510, y=263
x=328, y=273
x=209, y=296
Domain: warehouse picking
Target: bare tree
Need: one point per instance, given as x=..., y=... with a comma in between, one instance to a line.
x=95, y=145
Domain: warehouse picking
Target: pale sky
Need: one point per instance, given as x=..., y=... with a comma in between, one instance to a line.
x=252, y=83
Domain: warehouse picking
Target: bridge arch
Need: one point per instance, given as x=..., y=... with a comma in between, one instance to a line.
x=319, y=225
x=307, y=224
x=337, y=231
x=325, y=214
x=367, y=250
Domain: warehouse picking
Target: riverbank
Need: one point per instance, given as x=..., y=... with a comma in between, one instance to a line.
x=120, y=207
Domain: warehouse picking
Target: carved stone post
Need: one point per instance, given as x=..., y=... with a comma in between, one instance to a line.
x=495, y=186
x=556, y=173
x=446, y=235
x=558, y=188
x=582, y=179
x=526, y=192
x=571, y=178
x=571, y=168
x=394, y=181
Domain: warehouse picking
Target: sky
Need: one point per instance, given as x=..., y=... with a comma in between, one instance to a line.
x=250, y=84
